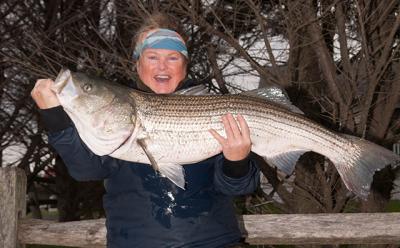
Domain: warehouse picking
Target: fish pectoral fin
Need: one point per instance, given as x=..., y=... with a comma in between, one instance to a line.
x=173, y=172
x=285, y=161
x=153, y=162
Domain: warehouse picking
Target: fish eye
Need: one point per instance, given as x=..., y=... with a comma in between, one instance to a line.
x=87, y=87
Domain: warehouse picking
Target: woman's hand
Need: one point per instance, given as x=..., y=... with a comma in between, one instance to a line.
x=43, y=95
x=237, y=144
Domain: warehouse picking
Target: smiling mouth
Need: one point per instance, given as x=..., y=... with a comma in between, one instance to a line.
x=162, y=78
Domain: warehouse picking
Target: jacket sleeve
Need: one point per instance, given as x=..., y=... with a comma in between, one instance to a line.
x=82, y=164
x=228, y=181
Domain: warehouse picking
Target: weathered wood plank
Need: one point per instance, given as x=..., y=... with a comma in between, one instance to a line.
x=12, y=205
x=87, y=233
x=354, y=228
x=359, y=228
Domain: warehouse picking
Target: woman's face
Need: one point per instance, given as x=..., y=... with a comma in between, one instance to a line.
x=161, y=69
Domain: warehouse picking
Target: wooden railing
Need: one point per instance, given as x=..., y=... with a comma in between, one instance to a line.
x=354, y=228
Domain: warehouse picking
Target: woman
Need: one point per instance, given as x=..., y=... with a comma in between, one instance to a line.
x=144, y=209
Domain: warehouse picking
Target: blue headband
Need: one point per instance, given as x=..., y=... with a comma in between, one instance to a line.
x=161, y=39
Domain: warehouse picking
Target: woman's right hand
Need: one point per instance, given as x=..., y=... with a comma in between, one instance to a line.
x=43, y=95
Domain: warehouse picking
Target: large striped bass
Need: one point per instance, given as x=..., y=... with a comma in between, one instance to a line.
x=168, y=131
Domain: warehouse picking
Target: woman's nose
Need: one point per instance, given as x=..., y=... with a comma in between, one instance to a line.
x=162, y=64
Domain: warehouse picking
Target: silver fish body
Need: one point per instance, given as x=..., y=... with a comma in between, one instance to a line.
x=169, y=131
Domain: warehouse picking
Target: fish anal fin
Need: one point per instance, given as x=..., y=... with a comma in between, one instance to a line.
x=285, y=161
x=143, y=145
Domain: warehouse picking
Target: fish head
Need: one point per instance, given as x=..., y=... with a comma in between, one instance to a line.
x=83, y=93
x=102, y=111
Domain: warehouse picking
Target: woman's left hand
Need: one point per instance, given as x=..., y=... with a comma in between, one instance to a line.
x=237, y=144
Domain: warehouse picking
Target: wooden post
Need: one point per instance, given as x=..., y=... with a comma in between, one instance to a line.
x=12, y=205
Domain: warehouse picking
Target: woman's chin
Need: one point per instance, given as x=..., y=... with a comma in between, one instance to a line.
x=163, y=89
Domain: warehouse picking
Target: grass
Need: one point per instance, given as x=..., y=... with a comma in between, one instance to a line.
x=393, y=206
x=46, y=215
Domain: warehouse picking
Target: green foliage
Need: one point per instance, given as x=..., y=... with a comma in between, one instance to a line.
x=393, y=206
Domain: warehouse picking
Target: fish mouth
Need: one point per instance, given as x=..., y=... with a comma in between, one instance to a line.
x=61, y=81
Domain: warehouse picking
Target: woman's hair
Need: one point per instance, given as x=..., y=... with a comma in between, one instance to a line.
x=158, y=20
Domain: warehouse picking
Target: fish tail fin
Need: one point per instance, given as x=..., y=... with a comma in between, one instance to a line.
x=173, y=172
x=365, y=158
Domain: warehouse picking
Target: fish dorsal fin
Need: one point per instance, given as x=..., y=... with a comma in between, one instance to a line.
x=197, y=90
x=271, y=93
x=274, y=94
x=285, y=161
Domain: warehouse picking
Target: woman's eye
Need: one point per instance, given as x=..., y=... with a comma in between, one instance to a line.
x=152, y=57
x=87, y=87
x=173, y=58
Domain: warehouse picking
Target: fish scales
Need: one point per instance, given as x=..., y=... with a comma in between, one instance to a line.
x=169, y=131
x=177, y=111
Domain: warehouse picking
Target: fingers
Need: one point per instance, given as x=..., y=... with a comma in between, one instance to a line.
x=228, y=123
x=42, y=86
x=232, y=129
x=233, y=126
x=43, y=95
x=237, y=144
x=218, y=137
x=43, y=83
x=244, y=128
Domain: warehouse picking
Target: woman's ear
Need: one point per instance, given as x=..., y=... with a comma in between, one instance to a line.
x=137, y=66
